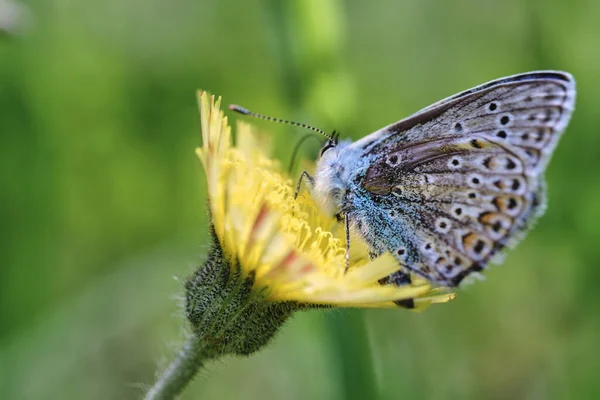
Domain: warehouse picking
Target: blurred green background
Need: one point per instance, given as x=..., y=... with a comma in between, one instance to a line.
x=103, y=209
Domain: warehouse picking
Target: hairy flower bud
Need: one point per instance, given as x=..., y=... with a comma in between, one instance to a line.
x=224, y=310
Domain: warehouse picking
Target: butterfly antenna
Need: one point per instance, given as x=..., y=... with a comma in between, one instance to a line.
x=244, y=111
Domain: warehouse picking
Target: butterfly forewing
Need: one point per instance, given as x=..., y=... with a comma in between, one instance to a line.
x=465, y=174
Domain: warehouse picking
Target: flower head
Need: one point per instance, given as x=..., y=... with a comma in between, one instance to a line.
x=291, y=251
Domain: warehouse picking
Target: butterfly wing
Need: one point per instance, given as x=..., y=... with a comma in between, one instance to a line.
x=528, y=111
x=465, y=174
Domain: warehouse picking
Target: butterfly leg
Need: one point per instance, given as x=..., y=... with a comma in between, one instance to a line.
x=311, y=182
x=347, y=241
x=308, y=177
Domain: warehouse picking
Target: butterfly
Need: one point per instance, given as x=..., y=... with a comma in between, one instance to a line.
x=448, y=188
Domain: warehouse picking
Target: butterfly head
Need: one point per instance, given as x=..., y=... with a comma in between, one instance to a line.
x=331, y=175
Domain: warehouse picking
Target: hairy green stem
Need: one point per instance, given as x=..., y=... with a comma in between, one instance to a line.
x=181, y=371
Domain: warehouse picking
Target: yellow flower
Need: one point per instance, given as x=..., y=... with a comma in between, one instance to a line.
x=287, y=246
